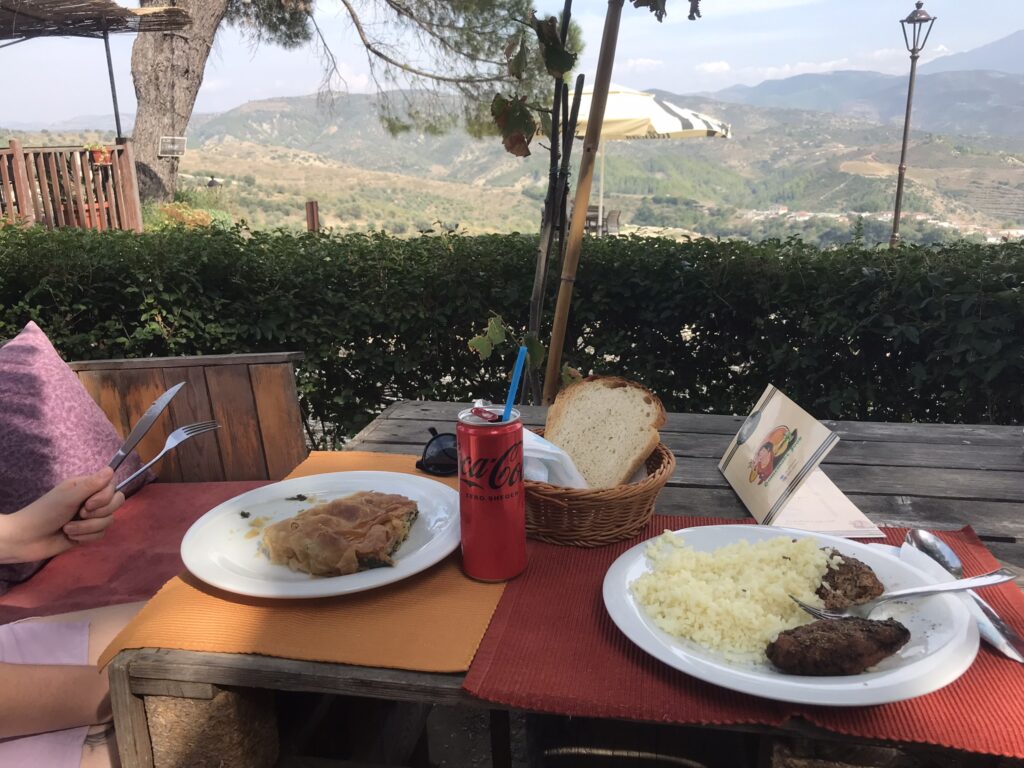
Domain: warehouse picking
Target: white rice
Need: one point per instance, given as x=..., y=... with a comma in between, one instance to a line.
x=734, y=600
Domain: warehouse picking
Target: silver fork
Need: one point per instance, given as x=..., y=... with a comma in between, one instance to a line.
x=176, y=438
x=864, y=609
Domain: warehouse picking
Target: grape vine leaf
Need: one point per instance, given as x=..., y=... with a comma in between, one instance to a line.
x=557, y=60
x=516, y=123
x=495, y=330
x=482, y=346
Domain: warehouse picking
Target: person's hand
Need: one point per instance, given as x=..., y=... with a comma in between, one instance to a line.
x=46, y=527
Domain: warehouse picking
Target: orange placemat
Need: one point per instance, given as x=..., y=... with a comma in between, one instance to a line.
x=431, y=622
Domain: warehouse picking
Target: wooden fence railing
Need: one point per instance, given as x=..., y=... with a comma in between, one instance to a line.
x=68, y=187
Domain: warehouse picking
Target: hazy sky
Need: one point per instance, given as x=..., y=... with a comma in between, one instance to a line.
x=737, y=41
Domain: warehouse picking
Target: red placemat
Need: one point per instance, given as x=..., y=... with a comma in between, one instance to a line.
x=551, y=647
x=140, y=551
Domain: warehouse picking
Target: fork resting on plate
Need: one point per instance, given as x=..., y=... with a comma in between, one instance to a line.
x=176, y=438
x=864, y=610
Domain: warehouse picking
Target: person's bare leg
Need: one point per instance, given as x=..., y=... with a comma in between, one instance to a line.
x=100, y=748
x=104, y=624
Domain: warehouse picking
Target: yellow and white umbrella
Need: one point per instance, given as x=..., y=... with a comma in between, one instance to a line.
x=631, y=114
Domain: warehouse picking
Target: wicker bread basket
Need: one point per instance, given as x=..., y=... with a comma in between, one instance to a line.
x=593, y=517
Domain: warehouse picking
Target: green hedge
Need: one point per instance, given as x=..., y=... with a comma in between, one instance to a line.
x=924, y=334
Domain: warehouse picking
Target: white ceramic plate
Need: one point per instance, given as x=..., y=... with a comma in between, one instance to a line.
x=943, y=638
x=222, y=547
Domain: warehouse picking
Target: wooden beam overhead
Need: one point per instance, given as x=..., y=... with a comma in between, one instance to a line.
x=24, y=19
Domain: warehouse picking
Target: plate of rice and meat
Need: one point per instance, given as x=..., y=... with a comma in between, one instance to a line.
x=714, y=602
x=324, y=535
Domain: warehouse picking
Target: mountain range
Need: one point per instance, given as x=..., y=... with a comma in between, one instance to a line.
x=826, y=143
x=979, y=92
x=1003, y=55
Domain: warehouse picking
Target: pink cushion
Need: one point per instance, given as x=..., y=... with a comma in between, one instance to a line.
x=50, y=430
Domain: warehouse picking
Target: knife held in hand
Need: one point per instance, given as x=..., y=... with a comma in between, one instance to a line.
x=143, y=425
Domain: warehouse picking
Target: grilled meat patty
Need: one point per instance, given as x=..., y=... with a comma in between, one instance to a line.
x=836, y=646
x=851, y=583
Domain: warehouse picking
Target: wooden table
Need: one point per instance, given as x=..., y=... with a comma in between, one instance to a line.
x=915, y=475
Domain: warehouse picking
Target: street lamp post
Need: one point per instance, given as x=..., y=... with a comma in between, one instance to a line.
x=916, y=28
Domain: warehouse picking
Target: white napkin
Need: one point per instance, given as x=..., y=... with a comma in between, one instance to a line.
x=545, y=462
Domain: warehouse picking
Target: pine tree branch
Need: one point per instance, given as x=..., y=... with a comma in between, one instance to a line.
x=373, y=48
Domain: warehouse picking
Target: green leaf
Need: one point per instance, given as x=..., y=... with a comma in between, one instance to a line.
x=495, y=330
x=536, y=352
x=482, y=346
x=570, y=375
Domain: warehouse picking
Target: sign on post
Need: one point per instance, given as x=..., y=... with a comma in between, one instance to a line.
x=171, y=146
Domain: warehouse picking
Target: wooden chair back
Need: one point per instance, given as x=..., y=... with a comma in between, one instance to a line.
x=611, y=222
x=252, y=396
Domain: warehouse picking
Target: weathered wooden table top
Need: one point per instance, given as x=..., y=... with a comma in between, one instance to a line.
x=932, y=476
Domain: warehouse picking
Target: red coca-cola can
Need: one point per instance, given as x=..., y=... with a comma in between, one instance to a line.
x=492, y=502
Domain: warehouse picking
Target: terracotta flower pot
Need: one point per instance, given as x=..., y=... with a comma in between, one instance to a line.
x=100, y=156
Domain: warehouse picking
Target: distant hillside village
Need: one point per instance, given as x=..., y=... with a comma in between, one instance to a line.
x=922, y=219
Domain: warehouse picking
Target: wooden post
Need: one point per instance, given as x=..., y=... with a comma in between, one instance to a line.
x=7, y=186
x=65, y=169
x=132, y=203
x=46, y=196
x=85, y=174
x=26, y=205
x=602, y=79
x=55, y=186
x=312, y=216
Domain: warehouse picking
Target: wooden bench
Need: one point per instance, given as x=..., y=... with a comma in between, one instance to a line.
x=252, y=396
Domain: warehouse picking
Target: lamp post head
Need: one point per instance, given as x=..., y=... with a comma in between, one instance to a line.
x=919, y=15
x=916, y=28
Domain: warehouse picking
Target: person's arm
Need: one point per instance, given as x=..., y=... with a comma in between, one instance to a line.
x=35, y=698
x=46, y=526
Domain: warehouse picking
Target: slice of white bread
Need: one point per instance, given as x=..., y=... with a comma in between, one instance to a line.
x=608, y=425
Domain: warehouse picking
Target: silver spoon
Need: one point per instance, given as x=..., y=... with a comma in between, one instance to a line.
x=995, y=631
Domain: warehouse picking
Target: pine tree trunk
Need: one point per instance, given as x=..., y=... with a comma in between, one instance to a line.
x=167, y=68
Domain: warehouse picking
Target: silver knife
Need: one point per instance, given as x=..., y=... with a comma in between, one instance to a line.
x=143, y=425
x=1000, y=634
x=996, y=632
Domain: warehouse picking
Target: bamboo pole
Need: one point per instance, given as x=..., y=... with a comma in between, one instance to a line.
x=602, y=79
x=552, y=212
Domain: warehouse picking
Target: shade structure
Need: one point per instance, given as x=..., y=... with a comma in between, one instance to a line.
x=22, y=20
x=632, y=114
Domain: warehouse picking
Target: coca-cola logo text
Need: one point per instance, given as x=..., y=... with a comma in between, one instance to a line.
x=505, y=471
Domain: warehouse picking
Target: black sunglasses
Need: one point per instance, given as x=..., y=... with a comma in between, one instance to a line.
x=440, y=454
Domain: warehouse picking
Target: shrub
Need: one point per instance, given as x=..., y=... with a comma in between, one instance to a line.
x=924, y=333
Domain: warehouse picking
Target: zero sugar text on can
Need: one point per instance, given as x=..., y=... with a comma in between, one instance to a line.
x=492, y=502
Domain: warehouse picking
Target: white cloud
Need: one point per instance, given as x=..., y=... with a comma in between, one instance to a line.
x=713, y=67
x=895, y=60
x=640, y=66
x=758, y=74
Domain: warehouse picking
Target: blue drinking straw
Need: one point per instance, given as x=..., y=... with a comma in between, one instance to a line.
x=513, y=389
